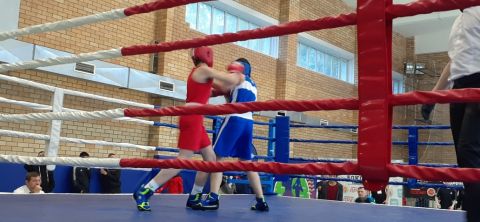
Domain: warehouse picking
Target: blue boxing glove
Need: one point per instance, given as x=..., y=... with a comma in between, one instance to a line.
x=427, y=110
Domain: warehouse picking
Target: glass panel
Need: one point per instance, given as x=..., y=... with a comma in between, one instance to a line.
x=302, y=55
x=395, y=87
x=344, y=71
x=328, y=65
x=254, y=43
x=242, y=25
x=311, y=59
x=230, y=23
x=265, y=45
x=204, y=18
x=274, y=49
x=335, y=67
x=191, y=15
x=218, y=21
x=351, y=77
x=320, y=62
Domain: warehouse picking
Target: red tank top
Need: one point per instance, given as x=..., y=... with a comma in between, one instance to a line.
x=198, y=92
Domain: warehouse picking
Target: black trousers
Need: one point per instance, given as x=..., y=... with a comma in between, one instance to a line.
x=465, y=123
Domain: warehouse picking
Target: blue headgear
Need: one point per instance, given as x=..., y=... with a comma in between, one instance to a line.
x=247, y=69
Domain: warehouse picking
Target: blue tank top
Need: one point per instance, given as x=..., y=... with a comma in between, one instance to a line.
x=245, y=92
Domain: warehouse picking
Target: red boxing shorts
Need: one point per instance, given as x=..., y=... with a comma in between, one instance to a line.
x=193, y=135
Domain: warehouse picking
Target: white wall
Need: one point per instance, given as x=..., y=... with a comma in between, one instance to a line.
x=9, y=13
x=432, y=42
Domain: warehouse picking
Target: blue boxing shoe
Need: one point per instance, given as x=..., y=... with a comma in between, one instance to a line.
x=142, y=196
x=195, y=201
x=211, y=203
x=261, y=205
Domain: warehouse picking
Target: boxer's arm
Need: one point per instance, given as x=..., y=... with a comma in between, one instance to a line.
x=225, y=79
x=442, y=82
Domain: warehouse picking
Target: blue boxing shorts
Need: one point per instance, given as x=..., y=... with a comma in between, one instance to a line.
x=235, y=138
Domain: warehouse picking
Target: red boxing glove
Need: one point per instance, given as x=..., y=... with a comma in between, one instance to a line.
x=235, y=67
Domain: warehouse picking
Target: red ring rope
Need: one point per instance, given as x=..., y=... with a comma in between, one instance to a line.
x=291, y=105
x=347, y=168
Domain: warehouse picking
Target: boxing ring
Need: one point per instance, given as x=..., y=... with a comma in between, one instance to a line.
x=375, y=103
x=79, y=208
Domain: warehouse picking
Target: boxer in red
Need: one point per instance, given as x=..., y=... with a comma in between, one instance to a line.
x=193, y=136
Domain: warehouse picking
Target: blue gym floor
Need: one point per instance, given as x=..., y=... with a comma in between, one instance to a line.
x=95, y=208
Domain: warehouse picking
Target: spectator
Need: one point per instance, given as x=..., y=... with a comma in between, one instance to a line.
x=423, y=201
x=380, y=196
x=363, y=196
x=446, y=197
x=330, y=190
x=459, y=200
x=81, y=177
x=32, y=184
x=47, y=177
x=172, y=186
x=226, y=187
x=110, y=179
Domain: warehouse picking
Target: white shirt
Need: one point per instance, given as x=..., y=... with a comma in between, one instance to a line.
x=24, y=190
x=464, y=44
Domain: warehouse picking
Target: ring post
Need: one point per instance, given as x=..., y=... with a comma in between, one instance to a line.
x=412, y=152
x=282, y=143
x=271, y=138
x=374, y=30
x=271, y=153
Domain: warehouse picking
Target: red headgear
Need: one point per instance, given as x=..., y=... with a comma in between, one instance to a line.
x=235, y=67
x=204, y=54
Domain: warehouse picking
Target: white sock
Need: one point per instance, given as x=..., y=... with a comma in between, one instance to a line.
x=196, y=189
x=152, y=185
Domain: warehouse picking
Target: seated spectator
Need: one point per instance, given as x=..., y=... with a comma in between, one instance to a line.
x=32, y=184
x=330, y=190
x=380, y=196
x=81, y=177
x=48, y=181
x=225, y=187
x=110, y=179
x=445, y=198
x=363, y=196
x=459, y=200
x=173, y=186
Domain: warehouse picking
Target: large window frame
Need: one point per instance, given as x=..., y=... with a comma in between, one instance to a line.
x=321, y=57
x=218, y=18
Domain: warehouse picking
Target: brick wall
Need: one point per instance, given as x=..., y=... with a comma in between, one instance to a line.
x=276, y=78
x=435, y=62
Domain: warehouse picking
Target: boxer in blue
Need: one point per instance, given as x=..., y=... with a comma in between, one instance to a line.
x=236, y=135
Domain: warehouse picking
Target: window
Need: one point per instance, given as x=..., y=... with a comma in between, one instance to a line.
x=191, y=15
x=242, y=25
x=230, y=23
x=204, y=18
x=344, y=70
x=218, y=23
x=210, y=20
x=321, y=62
x=302, y=57
x=398, y=85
